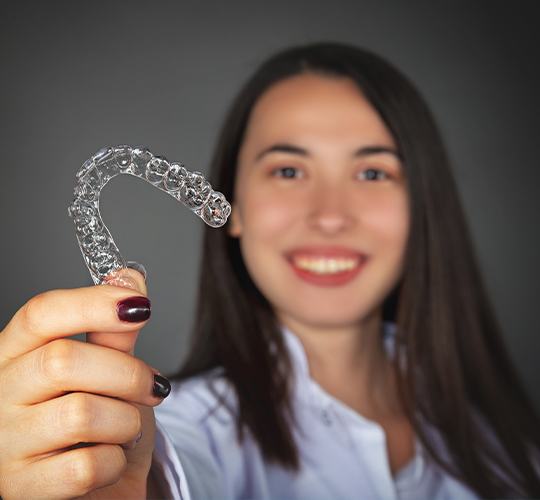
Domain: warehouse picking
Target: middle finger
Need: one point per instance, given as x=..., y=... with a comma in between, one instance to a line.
x=66, y=365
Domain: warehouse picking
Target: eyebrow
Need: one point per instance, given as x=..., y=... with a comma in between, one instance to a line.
x=359, y=153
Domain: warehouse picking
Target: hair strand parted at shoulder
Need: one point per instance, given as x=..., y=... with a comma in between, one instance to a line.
x=459, y=382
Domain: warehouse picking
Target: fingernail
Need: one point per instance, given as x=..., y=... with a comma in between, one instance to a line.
x=133, y=309
x=138, y=267
x=162, y=387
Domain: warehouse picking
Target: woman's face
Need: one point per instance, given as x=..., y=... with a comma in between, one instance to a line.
x=320, y=206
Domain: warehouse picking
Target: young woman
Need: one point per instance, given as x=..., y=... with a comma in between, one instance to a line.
x=344, y=345
x=347, y=235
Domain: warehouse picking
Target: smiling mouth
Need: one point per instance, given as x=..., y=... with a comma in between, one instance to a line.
x=327, y=271
x=322, y=266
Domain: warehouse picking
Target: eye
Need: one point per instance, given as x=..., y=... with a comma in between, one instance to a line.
x=287, y=172
x=371, y=174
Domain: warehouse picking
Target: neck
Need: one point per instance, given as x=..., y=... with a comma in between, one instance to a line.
x=350, y=362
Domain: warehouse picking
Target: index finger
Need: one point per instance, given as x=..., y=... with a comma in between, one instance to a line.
x=62, y=313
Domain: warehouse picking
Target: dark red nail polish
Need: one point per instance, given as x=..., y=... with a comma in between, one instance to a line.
x=133, y=309
x=162, y=387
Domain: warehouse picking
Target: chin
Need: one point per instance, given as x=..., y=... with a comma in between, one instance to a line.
x=328, y=317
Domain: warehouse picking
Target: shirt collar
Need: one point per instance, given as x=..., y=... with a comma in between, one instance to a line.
x=298, y=354
x=307, y=390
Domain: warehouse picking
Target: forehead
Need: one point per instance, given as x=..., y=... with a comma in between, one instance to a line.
x=310, y=105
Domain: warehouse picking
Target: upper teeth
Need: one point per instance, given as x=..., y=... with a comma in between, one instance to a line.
x=325, y=265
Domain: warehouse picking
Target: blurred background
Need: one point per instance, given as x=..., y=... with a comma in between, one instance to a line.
x=79, y=75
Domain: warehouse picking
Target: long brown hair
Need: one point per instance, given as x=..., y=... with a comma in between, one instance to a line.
x=458, y=376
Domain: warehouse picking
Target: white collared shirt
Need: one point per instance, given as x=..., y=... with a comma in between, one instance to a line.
x=342, y=454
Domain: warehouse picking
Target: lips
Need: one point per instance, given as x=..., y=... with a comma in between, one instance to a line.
x=326, y=266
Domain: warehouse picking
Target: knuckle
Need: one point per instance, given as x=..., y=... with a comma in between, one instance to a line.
x=136, y=420
x=136, y=374
x=57, y=360
x=33, y=311
x=121, y=460
x=83, y=470
x=76, y=415
x=85, y=473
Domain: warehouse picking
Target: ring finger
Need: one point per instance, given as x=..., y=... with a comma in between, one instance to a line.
x=74, y=418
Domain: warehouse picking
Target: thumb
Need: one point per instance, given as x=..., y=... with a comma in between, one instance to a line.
x=127, y=278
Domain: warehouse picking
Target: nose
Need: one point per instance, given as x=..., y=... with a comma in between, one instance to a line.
x=329, y=212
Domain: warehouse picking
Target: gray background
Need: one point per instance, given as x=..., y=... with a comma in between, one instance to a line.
x=76, y=76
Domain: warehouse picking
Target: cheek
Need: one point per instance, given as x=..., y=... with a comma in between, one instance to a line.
x=267, y=219
x=267, y=215
x=388, y=219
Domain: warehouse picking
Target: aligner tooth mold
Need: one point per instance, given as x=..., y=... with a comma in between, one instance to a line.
x=100, y=253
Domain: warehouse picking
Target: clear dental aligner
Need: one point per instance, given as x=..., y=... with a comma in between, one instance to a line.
x=101, y=255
